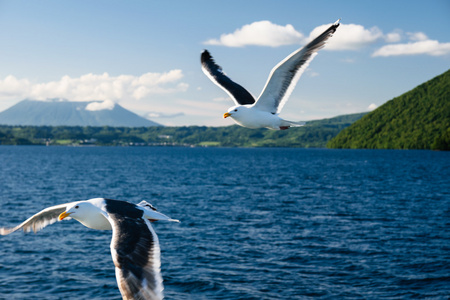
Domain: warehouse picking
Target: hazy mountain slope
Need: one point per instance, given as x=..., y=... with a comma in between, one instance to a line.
x=66, y=113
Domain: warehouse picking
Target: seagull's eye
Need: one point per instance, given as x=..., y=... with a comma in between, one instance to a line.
x=235, y=109
x=77, y=206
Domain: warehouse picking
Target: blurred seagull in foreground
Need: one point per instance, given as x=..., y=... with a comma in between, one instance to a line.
x=134, y=246
x=264, y=112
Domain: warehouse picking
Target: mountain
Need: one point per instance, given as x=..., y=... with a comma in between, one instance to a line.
x=418, y=119
x=56, y=112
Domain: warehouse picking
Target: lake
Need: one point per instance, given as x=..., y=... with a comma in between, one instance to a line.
x=261, y=223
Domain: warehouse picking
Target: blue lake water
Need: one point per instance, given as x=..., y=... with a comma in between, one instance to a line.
x=255, y=223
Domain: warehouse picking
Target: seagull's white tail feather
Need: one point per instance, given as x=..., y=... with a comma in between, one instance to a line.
x=292, y=123
x=150, y=212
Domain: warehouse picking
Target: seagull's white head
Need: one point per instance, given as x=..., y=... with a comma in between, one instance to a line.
x=237, y=111
x=87, y=214
x=232, y=111
x=77, y=210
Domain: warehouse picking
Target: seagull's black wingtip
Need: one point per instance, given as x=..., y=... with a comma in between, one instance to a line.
x=205, y=56
x=336, y=24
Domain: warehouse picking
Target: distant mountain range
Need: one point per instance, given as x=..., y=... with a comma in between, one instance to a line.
x=418, y=119
x=57, y=112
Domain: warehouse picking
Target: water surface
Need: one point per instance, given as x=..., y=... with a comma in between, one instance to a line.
x=255, y=223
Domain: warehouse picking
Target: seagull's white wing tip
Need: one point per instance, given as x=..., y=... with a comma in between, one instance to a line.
x=5, y=231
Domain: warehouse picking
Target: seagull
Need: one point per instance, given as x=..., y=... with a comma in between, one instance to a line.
x=134, y=246
x=263, y=113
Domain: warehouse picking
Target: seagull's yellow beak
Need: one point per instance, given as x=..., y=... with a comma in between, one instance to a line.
x=226, y=115
x=63, y=215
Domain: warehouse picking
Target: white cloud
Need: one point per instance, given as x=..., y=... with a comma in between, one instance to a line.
x=262, y=33
x=95, y=87
x=265, y=33
x=417, y=36
x=393, y=37
x=372, y=106
x=105, y=105
x=419, y=44
x=428, y=47
x=13, y=87
x=348, y=36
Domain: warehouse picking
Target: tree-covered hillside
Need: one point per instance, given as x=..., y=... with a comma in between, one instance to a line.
x=418, y=119
x=313, y=134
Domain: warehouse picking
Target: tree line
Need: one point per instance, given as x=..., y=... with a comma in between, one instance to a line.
x=314, y=134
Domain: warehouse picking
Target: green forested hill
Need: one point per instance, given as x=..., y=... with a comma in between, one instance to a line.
x=313, y=134
x=418, y=119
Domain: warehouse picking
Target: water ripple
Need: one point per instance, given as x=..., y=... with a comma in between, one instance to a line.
x=255, y=223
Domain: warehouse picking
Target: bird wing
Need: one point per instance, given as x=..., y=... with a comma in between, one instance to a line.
x=238, y=94
x=135, y=252
x=40, y=220
x=285, y=75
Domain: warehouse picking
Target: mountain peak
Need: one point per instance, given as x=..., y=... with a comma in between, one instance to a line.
x=61, y=112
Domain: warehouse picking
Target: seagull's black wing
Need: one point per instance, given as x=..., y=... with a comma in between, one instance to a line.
x=214, y=72
x=135, y=252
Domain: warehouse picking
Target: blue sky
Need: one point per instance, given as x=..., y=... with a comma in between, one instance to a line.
x=145, y=55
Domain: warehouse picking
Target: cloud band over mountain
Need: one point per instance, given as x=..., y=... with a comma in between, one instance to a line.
x=95, y=87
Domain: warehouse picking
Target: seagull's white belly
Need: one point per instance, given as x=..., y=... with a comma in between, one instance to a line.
x=99, y=223
x=253, y=118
